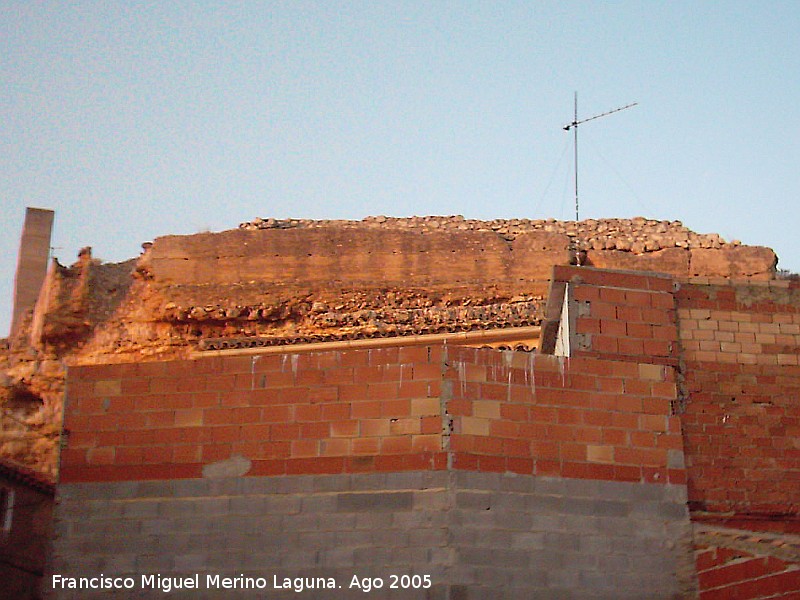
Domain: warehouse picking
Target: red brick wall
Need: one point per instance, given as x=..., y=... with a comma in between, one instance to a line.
x=579, y=417
x=622, y=315
x=726, y=573
x=389, y=409
x=741, y=345
x=328, y=412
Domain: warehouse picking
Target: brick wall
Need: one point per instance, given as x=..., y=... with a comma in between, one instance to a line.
x=618, y=315
x=740, y=347
x=327, y=412
x=564, y=417
x=393, y=409
x=735, y=565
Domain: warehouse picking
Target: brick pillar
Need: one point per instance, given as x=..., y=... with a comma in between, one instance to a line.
x=34, y=249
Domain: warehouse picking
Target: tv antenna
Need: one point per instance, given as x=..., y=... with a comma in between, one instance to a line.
x=574, y=127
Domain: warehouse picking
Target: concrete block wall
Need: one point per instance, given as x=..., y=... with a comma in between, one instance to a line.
x=741, y=347
x=477, y=535
x=553, y=537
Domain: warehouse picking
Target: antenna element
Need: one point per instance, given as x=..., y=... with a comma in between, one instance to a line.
x=574, y=127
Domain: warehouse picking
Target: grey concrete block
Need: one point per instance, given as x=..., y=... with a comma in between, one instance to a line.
x=374, y=501
x=548, y=522
x=373, y=556
x=336, y=521
x=137, y=509
x=177, y=509
x=389, y=538
x=497, y=557
x=428, y=537
x=609, y=508
x=154, y=563
x=512, y=482
x=319, y=503
x=331, y=483
x=676, y=493
x=404, y=557
x=259, y=485
x=431, y=499
x=154, y=489
x=526, y=539
x=190, y=488
x=296, y=484
x=354, y=538
x=479, y=481
x=622, y=527
x=542, y=504
x=462, y=536
x=511, y=501
x=474, y=500
x=512, y=520
x=81, y=509
x=110, y=490
x=549, y=486
x=315, y=540
x=569, y=542
x=301, y=522
x=440, y=556
x=413, y=519
x=210, y=507
x=539, y=535
x=337, y=557
x=672, y=511
x=368, y=481
x=409, y=480
x=190, y=562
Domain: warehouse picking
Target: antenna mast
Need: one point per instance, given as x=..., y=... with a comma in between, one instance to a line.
x=574, y=127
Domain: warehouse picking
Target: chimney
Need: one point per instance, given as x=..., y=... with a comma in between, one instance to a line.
x=34, y=250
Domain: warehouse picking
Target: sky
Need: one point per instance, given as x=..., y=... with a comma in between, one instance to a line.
x=134, y=120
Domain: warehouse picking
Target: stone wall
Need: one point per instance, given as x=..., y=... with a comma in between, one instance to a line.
x=363, y=256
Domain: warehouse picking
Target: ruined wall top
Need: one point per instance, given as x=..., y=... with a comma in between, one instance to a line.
x=637, y=235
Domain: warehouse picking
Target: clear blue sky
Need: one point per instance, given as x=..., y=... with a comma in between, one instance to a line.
x=139, y=119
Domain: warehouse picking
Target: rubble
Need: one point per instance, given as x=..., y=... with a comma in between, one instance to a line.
x=637, y=235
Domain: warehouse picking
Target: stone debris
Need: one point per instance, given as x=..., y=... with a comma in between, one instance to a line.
x=638, y=235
